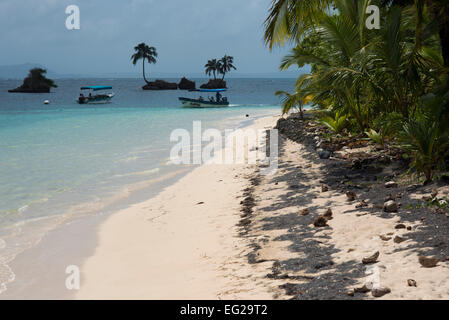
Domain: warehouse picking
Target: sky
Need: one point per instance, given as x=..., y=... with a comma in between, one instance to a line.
x=186, y=33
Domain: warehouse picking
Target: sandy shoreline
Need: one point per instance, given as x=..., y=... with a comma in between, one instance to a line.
x=181, y=244
x=202, y=243
x=229, y=232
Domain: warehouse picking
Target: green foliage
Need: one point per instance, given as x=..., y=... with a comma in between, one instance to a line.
x=427, y=144
x=211, y=67
x=375, y=136
x=337, y=123
x=144, y=52
x=388, y=83
x=36, y=78
x=221, y=66
x=290, y=101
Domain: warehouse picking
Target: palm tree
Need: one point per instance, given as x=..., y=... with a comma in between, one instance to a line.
x=225, y=65
x=144, y=52
x=290, y=19
x=212, y=67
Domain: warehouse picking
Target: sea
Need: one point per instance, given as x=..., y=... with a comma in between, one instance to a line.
x=64, y=161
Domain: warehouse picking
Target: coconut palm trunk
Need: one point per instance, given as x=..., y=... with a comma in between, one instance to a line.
x=143, y=71
x=444, y=36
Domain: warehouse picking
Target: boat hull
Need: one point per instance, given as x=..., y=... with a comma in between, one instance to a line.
x=195, y=103
x=100, y=99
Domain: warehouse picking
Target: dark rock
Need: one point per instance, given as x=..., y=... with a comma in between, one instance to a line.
x=391, y=184
x=398, y=239
x=378, y=292
x=320, y=222
x=371, y=259
x=385, y=238
x=324, y=188
x=400, y=226
x=328, y=214
x=411, y=283
x=35, y=82
x=304, y=212
x=214, y=84
x=324, y=154
x=351, y=196
x=362, y=289
x=186, y=84
x=428, y=262
x=160, y=85
x=362, y=204
x=390, y=206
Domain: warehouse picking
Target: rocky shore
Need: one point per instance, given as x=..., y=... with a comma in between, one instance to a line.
x=214, y=84
x=341, y=220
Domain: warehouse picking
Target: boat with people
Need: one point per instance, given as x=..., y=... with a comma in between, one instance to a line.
x=98, y=98
x=214, y=101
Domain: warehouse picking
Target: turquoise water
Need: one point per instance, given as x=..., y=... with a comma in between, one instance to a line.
x=64, y=159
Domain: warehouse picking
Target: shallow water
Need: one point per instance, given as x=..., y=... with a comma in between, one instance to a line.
x=63, y=160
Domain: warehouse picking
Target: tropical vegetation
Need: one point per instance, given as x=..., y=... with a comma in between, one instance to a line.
x=36, y=82
x=387, y=84
x=220, y=66
x=144, y=52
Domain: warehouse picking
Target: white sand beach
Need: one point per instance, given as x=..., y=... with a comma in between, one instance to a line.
x=181, y=244
x=189, y=241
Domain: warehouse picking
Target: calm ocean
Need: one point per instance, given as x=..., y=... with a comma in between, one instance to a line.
x=63, y=160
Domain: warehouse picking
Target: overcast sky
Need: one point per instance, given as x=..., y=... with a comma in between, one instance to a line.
x=186, y=33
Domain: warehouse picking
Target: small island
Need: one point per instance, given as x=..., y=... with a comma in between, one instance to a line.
x=36, y=82
x=214, y=67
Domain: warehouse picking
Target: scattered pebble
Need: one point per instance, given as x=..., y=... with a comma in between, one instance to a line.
x=385, y=238
x=390, y=206
x=391, y=184
x=411, y=283
x=320, y=222
x=351, y=195
x=328, y=214
x=428, y=262
x=362, y=289
x=371, y=259
x=304, y=212
x=380, y=291
x=398, y=239
x=324, y=188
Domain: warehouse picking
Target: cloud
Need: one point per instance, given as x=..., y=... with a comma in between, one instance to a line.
x=186, y=34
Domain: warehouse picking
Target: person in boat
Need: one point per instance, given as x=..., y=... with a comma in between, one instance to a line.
x=218, y=96
x=81, y=98
x=201, y=98
x=211, y=99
